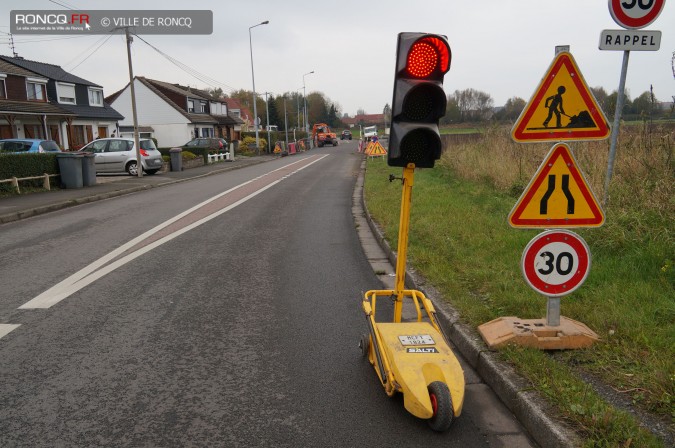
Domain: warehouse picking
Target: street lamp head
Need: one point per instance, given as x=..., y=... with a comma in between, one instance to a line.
x=261, y=23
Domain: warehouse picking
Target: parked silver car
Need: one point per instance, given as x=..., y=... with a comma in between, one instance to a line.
x=117, y=155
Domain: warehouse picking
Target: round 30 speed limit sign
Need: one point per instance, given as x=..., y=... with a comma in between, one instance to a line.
x=635, y=14
x=556, y=262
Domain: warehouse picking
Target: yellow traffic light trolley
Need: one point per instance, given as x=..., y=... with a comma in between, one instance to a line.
x=413, y=357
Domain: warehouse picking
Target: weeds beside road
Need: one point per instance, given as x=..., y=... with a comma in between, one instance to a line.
x=461, y=242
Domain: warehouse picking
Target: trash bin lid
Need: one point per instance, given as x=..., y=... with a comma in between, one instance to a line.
x=69, y=154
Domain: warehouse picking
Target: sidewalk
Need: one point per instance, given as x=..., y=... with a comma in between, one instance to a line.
x=14, y=208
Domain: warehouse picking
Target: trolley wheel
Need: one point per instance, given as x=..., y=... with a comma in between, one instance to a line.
x=442, y=405
x=364, y=344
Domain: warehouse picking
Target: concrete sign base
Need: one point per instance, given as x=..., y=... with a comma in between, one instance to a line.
x=570, y=334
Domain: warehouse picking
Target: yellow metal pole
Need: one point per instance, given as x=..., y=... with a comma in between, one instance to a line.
x=403, y=227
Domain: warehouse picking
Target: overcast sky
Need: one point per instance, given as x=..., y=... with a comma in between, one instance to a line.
x=502, y=47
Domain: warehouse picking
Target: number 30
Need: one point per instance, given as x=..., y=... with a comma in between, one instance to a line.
x=641, y=3
x=549, y=259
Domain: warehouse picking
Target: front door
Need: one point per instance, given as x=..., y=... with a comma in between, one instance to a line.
x=102, y=131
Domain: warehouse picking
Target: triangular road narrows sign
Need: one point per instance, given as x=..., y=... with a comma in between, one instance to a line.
x=562, y=108
x=376, y=149
x=558, y=196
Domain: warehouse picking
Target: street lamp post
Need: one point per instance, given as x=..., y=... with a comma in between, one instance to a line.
x=267, y=111
x=255, y=108
x=304, y=97
x=285, y=122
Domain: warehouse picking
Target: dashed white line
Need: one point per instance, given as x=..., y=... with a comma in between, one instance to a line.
x=5, y=329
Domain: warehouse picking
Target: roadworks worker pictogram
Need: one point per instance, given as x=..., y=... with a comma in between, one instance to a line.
x=564, y=95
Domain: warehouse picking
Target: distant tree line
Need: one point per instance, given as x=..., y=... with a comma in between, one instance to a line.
x=471, y=106
x=320, y=108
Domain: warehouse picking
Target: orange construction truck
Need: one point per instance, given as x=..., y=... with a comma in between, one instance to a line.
x=322, y=135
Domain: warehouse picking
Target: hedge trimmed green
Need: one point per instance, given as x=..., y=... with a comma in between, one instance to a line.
x=28, y=165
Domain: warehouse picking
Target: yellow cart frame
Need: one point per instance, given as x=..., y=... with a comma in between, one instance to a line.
x=413, y=358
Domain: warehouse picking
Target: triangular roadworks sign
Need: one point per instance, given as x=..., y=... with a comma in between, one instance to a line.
x=558, y=196
x=376, y=149
x=562, y=108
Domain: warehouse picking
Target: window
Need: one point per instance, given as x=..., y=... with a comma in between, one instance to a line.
x=3, y=90
x=202, y=107
x=33, y=131
x=191, y=106
x=66, y=93
x=98, y=146
x=35, y=91
x=95, y=97
x=119, y=146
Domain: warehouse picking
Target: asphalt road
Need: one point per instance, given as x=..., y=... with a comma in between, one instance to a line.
x=235, y=325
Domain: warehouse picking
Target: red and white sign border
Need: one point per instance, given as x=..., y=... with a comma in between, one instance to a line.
x=624, y=20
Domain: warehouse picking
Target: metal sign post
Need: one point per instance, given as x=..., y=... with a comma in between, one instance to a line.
x=621, y=98
x=630, y=15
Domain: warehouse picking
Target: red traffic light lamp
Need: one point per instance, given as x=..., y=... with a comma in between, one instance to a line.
x=422, y=60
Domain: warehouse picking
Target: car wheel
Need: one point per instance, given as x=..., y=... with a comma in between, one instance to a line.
x=151, y=172
x=132, y=168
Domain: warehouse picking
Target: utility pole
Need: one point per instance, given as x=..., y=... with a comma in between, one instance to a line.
x=11, y=45
x=137, y=144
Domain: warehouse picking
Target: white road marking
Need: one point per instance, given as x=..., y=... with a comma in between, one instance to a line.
x=103, y=265
x=6, y=328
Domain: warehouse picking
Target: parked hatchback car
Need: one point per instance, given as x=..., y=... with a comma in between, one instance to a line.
x=26, y=145
x=218, y=144
x=117, y=155
x=346, y=135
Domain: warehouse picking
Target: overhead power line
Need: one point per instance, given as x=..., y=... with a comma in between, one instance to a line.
x=106, y=39
x=187, y=69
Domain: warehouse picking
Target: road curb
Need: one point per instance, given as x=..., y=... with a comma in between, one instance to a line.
x=513, y=390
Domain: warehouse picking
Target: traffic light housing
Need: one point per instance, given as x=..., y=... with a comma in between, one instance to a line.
x=422, y=60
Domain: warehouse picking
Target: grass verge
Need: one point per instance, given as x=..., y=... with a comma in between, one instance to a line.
x=461, y=242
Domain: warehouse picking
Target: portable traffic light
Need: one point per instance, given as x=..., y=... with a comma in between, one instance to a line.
x=419, y=100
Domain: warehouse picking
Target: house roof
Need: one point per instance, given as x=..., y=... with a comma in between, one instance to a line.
x=369, y=118
x=11, y=69
x=32, y=108
x=234, y=103
x=85, y=111
x=228, y=120
x=194, y=118
x=50, y=71
x=140, y=129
